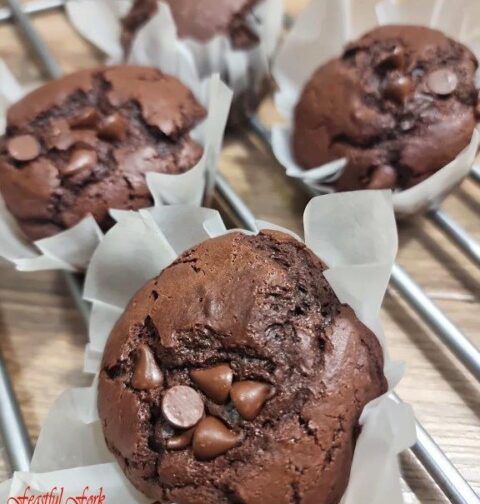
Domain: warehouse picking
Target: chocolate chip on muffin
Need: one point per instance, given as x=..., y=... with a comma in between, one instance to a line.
x=200, y=20
x=399, y=104
x=83, y=144
x=264, y=375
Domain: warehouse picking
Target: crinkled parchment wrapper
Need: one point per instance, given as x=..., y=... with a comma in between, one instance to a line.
x=321, y=33
x=71, y=249
x=71, y=451
x=158, y=45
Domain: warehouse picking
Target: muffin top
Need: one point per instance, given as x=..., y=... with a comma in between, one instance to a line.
x=83, y=144
x=237, y=375
x=399, y=104
x=200, y=20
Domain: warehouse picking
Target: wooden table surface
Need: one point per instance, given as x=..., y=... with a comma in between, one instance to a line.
x=42, y=336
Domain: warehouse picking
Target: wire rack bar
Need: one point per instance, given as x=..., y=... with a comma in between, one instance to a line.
x=427, y=451
x=457, y=234
x=463, y=349
x=476, y=173
x=33, y=7
x=441, y=470
x=14, y=432
x=37, y=44
x=449, y=334
x=75, y=287
x=243, y=215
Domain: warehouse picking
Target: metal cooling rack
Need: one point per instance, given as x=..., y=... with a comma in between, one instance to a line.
x=438, y=466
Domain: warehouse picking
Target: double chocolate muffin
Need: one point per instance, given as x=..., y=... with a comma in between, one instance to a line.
x=83, y=144
x=237, y=376
x=200, y=20
x=399, y=104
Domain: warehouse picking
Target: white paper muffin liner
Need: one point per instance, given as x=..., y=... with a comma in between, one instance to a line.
x=71, y=450
x=71, y=249
x=157, y=44
x=320, y=33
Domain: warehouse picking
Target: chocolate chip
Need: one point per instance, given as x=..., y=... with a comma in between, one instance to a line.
x=182, y=441
x=215, y=382
x=212, y=438
x=112, y=127
x=23, y=148
x=59, y=135
x=384, y=177
x=442, y=82
x=147, y=374
x=182, y=406
x=249, y=397
x=398, y=89
x=85, y=119
x=394, y=59
x=82, y=159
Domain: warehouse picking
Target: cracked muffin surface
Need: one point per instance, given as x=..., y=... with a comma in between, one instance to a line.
x=237, y=376
x=399, y=104
x=200, y=20
x=84, y=143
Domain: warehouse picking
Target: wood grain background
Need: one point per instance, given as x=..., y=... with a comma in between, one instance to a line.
x=42, y=336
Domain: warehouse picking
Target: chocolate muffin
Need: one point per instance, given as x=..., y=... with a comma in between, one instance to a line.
x=237, y=376
x=200, y=20
x=399, y=104
x=83, y=144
